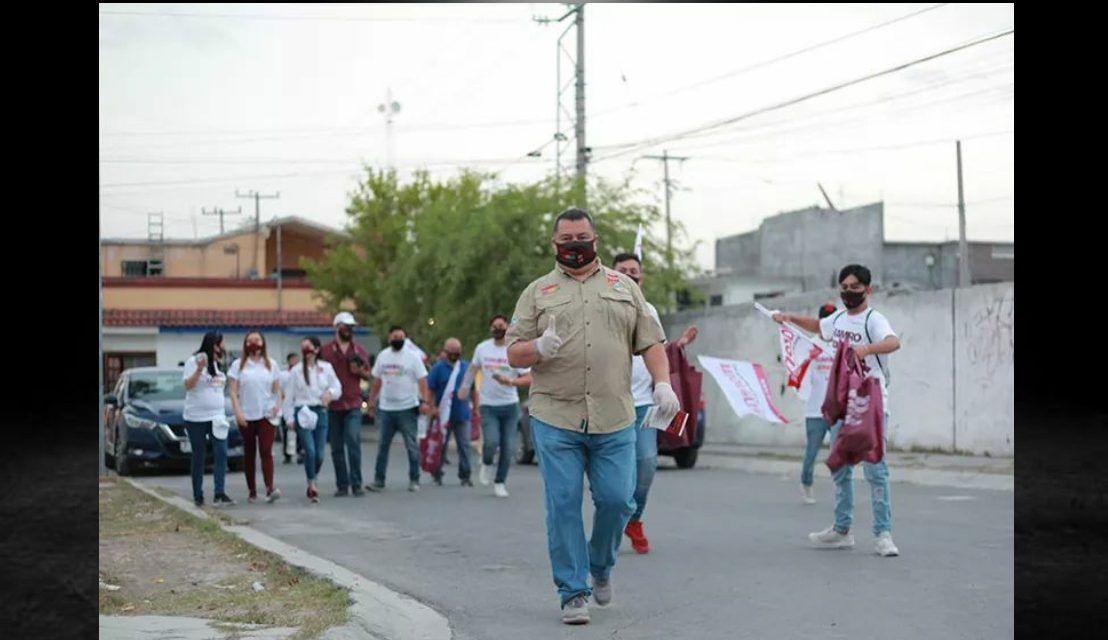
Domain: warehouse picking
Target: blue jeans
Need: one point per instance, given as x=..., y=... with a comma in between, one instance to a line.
x=817, y=429
x=498, y=428
x=646, y=460
x=314, y=441
x=564, y=457
x=461, y=436
x=877, y=474
x=346, y=440
x=199, y=433
x=392, y=422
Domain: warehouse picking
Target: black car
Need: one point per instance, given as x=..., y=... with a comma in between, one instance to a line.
x=144, y=426
x=685, y=456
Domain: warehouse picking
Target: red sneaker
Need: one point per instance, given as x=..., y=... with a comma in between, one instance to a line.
x=638, y=539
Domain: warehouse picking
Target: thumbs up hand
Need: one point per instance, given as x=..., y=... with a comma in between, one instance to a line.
x=548, y=343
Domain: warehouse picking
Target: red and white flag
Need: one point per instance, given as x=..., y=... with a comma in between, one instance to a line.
x=745, y=387
x=798, y=352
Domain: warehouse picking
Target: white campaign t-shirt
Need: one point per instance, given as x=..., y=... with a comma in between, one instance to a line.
x=204, y=402
x=321, y=378
x=841, y=326
x=400, y=373
x=642, y=384
x=490, y=359
x=819, y=372
x=256, y=396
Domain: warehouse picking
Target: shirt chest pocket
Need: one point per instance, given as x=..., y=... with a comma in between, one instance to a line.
x=557, y=307
x=619, y=311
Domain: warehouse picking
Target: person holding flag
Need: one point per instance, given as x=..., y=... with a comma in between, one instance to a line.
x=444, y=381
x=812, y=391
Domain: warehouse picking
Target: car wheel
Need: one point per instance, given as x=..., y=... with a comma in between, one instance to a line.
x=685, y=458
x=122, y=462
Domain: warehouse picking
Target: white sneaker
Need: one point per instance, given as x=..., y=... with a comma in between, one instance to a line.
x=485, y=475
x=884, y=546
x=809, y=495
x=831, y=539
x=576, y=611
x=500, y=490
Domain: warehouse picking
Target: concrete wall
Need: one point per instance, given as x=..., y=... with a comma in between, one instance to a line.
x=741, y=254
x=964, y=339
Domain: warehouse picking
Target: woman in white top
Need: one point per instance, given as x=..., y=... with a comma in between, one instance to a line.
x=204, y=382
x=256, y=398
x=816, y=427
x=313, y=385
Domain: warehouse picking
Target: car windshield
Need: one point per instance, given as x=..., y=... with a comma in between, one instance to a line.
x=157, y=385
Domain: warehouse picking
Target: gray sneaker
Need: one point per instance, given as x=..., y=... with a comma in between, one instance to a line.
x=602, y=591
x=576, y=611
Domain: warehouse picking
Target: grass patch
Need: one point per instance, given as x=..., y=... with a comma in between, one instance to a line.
x=169, y=562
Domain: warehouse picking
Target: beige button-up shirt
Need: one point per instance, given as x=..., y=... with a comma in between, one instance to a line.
x=602, y=322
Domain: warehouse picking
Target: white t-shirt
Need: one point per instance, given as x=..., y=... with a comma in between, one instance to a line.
x=321, y=377
x=642, y=384
x=400, y=373
x=844, y=326
x=256, y=397
x=819, y=372
x=204, y=402
x=490, y=359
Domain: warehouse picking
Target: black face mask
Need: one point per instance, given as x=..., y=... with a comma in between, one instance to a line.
x=453, y=357
x=345, y=334
x=576, y=254
x=498, y=334
x=637, y=280
x=853, y=299
x=396, y=345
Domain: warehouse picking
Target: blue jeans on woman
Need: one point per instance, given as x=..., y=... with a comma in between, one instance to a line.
x=646, y=460
x=199, y=433
x=315, y=441
x=498, y=426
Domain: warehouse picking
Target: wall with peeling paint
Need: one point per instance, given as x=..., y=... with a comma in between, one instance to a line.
x=951, y=382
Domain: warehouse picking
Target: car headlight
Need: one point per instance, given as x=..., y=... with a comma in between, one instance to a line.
x=136, y=422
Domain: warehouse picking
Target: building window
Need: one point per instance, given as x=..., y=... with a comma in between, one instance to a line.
x=117, y=363
x=716, y=300
x=1004, y=253
x=142, y=268
x=768, y=294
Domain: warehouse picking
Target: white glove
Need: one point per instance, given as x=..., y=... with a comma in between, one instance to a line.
x=666, y=403
x=548, y=343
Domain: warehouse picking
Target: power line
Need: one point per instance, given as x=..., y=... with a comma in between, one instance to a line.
x=262, y=16
x=772, y=61
x=649, y=142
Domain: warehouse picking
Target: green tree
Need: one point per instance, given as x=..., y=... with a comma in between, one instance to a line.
x=441, y=257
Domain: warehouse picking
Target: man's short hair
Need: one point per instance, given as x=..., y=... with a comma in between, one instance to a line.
x=499, y=316
x=826, y=310
x=397, y=327
x=858, y=271
x=573, y=213
x=624, y=257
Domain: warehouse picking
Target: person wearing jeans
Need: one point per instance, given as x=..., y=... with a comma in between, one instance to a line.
x=577, y=328
x=642, y=389
x=872, y=338
x=498, y=402
x=204, y=380
x=312, y=385
x=441, y=375
x=199, y=434
x=400, y=383
x=351, y=364
x=815, y=426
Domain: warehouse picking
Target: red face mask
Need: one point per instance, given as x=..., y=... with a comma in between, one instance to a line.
x=253, y=348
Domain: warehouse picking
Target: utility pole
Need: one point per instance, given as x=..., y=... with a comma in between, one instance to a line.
x=963, y=246
x=257, y=218
x=665, y=158
x=216, y=211
x=577, y=117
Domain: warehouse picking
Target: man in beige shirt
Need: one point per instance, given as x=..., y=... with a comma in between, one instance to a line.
x=577, y=327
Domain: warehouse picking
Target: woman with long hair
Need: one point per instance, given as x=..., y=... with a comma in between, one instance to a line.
x=312, y=387
x=256, y=399
x=204, y=382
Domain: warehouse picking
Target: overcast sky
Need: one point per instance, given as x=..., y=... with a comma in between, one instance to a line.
x=197, y=101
